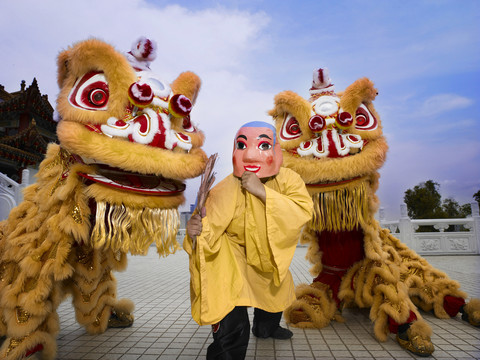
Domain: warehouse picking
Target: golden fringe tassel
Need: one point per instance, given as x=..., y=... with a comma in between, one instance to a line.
x=125, y=229
x=340, y=210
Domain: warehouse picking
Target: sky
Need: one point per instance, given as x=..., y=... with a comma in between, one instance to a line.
x=422, y=55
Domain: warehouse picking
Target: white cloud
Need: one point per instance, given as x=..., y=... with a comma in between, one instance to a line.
x=204, y=41
x=441, y=103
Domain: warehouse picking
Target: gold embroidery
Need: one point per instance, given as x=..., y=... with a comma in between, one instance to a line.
x=77, y=214
x=66, y=160
x=14, y=343
x=3, y=269
x=22, y=315
x=84, y=257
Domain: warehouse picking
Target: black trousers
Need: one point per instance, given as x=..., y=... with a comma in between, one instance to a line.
x=232, y=333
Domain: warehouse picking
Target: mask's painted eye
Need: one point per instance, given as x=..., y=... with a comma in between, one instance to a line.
x=364, y=119
x=290, y=128
x=90, y=92
x=264, y=146
x=241, y=145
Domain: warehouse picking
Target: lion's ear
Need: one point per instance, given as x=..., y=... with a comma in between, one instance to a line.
x=188, y=84
x=361, y=91
x=62, y=67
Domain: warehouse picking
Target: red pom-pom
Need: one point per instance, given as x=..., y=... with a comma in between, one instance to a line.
x=344, y=120
x=140, y=94
x=180, y=105
x=317, y=123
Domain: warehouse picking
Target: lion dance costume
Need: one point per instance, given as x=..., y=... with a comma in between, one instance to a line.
x=335, y=142
x=112, y=186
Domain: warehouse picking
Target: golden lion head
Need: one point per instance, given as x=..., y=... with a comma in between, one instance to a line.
x=133, y=128
x=331, y=138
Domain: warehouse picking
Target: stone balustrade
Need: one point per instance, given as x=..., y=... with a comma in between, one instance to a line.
x=11, y=193
x=437, y=236
x=426, y=236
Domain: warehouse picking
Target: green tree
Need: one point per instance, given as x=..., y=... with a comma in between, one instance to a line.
x=465, y=210
x=424, y=201
x=452, y=209
x=476, y=196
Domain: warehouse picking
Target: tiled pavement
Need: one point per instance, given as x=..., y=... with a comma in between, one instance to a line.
x=164, y=329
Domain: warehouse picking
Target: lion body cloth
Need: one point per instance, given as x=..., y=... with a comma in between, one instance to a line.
x=335, y=142
x=112, y=186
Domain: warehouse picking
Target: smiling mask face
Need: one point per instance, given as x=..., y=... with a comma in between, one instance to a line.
x=256, y=150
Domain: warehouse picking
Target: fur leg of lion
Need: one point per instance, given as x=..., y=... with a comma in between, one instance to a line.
x=314, y=307
x=390, y=303
x=417, y=338
x=30, y=295
x=94, y=290
x=471, y=312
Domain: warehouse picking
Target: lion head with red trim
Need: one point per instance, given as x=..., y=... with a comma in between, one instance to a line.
x=128, y=138
x=331, y=138
x=129, y=124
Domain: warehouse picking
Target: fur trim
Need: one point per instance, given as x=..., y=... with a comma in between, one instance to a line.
x=361, y=91
x=13, y=349
x=288, y=102
x=188, y=84
x=472, y=308
x=124, y=305
x=314, y=307
x=102, y=193
x=87, y=56
x=314, y=255
x=420, y=328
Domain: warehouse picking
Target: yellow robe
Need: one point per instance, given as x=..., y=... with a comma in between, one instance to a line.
x=245, y=249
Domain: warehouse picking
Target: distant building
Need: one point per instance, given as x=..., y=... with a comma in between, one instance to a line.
x=26, y=128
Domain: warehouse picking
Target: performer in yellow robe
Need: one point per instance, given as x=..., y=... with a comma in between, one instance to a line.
x=244, y=245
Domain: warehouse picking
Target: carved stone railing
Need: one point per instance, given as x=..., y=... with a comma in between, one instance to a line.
x=464, y=239
x=11, y=193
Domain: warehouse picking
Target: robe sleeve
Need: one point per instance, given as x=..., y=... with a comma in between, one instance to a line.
x=214, y=276
x=273, y=229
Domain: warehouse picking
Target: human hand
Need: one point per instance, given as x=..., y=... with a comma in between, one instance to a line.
x=194, y=225
x=253, y=185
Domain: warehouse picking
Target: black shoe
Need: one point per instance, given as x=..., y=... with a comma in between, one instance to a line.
x=282, y=333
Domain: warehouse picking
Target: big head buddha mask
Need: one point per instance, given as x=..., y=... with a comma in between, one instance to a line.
x=256, y=150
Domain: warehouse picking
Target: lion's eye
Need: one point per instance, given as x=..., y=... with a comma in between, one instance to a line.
x=364, y=119
x=290, y=128
x=90, y=92
x=98, y=97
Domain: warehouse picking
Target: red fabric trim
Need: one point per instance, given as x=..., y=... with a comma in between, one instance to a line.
x=393, y=325
x=37, y=348
x=452, y=304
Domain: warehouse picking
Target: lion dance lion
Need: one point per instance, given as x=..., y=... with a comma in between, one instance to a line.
x=335, y=142
x=112, y=186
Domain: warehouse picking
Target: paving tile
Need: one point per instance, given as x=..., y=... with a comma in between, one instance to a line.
x=164, y=329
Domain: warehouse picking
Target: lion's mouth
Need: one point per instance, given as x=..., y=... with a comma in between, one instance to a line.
x=135, y=182
x=334, y=183
x=330, y=144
